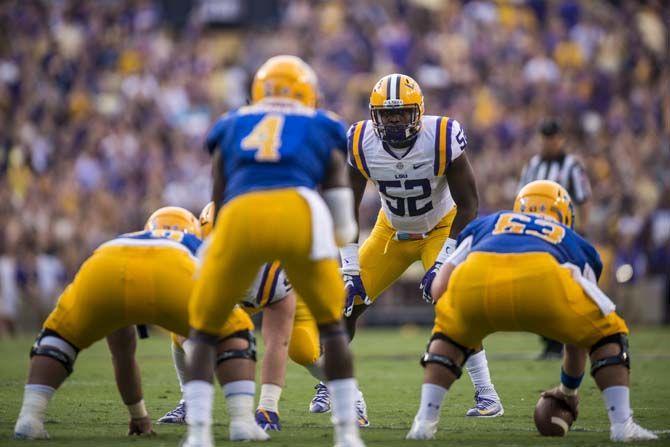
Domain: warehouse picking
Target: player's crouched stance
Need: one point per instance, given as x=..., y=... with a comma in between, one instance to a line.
x=137, y=278
x=527, y=270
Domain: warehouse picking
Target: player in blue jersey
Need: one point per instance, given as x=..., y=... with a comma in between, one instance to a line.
x=269, y=159
x=527, y=270
x=144, y=277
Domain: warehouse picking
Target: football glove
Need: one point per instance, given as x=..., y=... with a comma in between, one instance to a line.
x=427, y=282
x=354, y=288
x=352, y=278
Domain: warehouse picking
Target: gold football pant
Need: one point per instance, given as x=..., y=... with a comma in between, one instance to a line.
x=304, y=348
x=383, y=258
x=119, y=286
x=521, y=292
x=255, y=228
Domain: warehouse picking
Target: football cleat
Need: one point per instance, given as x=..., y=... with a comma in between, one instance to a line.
x=629, y=431
x=175, y=416
x=321, y=401
x=486, y=406
x=422, y=429
x=362, y=411
x=268, y=420
x=28, y=428
x=246, y=430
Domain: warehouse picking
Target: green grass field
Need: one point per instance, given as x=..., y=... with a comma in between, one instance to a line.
x=87, y=411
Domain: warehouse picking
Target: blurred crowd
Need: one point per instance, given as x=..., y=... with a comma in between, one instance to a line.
x=104, y=104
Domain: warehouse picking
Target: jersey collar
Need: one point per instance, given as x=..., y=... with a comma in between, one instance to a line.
x=393, y=154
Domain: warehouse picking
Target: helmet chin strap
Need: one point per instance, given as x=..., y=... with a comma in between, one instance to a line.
x=403, y=145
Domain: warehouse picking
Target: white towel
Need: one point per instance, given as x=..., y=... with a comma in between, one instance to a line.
x=323, y=236
x=587, y=281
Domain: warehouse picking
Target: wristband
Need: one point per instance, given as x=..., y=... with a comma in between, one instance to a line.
x=447, y=249
x=349, y=256
x=570, y=382
x=138, y=410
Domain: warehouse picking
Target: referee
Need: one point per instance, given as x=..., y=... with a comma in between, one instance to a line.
x=554, y=163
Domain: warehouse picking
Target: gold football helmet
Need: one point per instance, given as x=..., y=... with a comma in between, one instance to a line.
x=396, y=108
x=285, y=77
x=173, y=218
x=548, y=199
x=207, y=219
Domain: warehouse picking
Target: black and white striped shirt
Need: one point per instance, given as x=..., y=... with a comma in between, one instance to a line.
x=565, y=170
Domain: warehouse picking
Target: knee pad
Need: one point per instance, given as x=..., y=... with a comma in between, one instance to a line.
x=467, y=352
x=304, y=348
x=623, y=358
x=248, y=353
x=443, y=360
x=50, y=344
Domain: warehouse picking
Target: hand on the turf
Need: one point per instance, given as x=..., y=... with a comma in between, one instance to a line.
x=141, y=427
x=571, y=401
x=354, y=288
x=427, y=282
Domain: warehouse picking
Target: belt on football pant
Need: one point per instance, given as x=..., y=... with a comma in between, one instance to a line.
x=404, y=236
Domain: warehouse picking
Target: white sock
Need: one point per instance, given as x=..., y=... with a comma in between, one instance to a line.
x=478, y=369
x=316, y=370
x=343, y=395
x=431, y=402
x=270, y=394
x=199, y=397
x=240, y=399
x=179, y=360
x=617, y=403
x=35, y=401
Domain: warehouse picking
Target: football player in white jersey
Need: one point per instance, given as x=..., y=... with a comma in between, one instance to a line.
x=428, y=195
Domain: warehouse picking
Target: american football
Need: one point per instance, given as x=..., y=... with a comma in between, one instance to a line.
x=339, y=223
x=552, y=417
